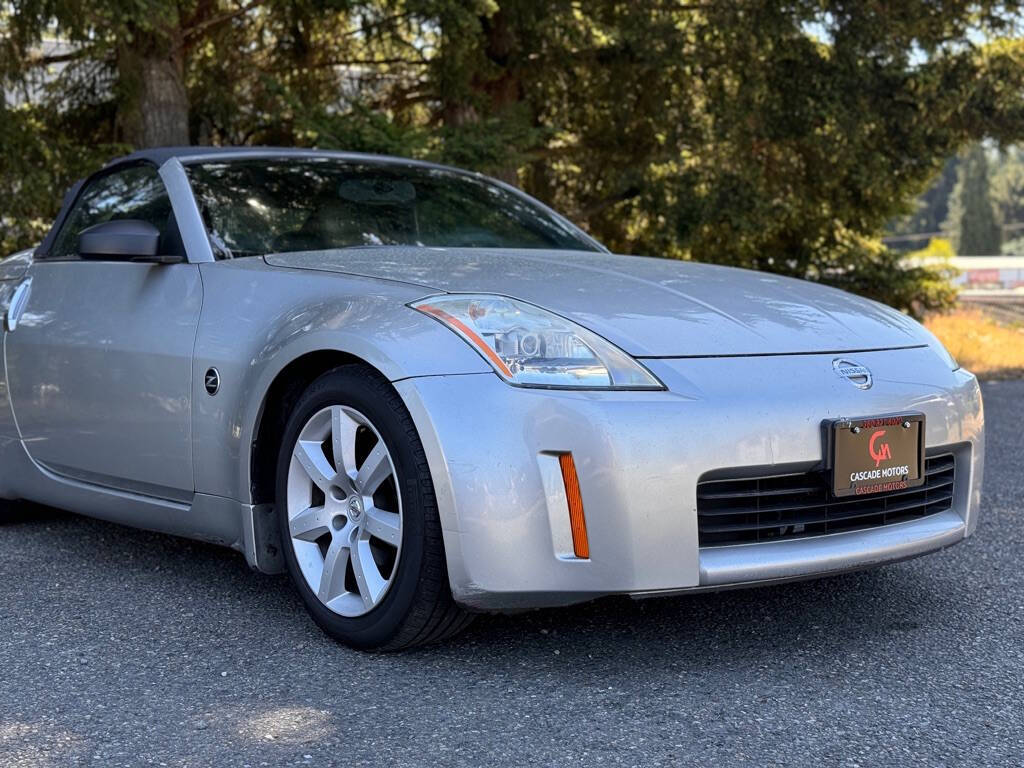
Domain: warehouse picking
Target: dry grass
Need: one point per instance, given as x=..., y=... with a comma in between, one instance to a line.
x=990, y=346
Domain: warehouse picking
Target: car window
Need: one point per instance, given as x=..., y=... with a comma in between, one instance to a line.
x=252, y=207
x=136, y=192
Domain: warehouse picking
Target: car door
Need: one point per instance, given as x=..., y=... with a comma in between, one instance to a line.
x=100, y=363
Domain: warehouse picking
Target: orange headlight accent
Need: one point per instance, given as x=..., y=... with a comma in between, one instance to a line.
x=577, y=521
x=469, y=333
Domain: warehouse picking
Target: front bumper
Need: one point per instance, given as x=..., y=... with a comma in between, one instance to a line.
x=639, y=456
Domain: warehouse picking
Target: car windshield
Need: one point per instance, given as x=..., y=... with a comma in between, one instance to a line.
x=253, y=207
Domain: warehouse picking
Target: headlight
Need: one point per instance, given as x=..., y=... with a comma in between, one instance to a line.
x=532, y=347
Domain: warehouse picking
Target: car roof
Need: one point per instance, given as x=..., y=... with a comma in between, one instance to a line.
x=160, y=155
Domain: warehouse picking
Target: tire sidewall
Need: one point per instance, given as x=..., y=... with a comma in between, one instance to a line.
x=356, y=390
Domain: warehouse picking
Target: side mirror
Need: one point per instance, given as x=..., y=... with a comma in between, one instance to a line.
x=123, y=240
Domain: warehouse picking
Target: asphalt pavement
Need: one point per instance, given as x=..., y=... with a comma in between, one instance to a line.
x=120, y=647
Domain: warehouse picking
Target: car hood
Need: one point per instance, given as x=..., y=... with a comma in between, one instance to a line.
x=649, y=307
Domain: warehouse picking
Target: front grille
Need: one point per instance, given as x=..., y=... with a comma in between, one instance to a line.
x=750, y=510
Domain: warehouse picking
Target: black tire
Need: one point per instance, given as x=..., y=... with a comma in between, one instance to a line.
x=418, y=607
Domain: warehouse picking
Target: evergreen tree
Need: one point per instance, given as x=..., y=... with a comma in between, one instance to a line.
x=976, y=232
x=1007, y=193
x=931, y=215
x=778, y=136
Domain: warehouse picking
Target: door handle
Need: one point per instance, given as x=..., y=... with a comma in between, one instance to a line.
x=18, y=303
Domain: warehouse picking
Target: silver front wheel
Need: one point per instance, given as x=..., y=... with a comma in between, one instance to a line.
x=344, y=511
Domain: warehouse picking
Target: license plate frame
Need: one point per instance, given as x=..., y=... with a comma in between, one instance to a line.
x=863, y=462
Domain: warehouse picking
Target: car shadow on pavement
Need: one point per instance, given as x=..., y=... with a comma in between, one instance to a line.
x=847, y=611
x=158, y=629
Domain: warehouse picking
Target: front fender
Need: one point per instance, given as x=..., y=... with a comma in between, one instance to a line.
x=256, y=320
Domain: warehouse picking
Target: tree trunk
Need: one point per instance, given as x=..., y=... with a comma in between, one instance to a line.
x=484, y=81
x=505, y=90
x=153, y=103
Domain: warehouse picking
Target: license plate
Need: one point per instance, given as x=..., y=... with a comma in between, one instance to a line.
x=877, y=455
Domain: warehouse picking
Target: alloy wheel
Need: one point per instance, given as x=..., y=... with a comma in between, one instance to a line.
x=344, y=510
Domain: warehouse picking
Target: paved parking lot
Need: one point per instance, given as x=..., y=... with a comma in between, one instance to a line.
x=119, y=647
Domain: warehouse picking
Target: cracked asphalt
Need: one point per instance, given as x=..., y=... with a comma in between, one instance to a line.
x=125, y=648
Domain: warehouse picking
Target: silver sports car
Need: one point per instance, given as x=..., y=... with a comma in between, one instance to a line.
x=425, y=395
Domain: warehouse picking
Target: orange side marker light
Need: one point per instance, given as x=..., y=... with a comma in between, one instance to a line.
x=577, y=521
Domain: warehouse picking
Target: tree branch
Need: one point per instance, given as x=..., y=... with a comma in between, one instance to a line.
x=58, y=58
x=365, y=62
x=619, y=197
x=213, y=21
x=364, y=28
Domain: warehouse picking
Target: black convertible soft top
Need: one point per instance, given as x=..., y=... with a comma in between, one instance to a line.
x=160, y=155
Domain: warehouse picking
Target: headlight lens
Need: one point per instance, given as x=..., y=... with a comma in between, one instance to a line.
x=532, y=347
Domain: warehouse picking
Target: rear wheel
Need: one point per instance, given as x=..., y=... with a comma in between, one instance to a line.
x=358, y=514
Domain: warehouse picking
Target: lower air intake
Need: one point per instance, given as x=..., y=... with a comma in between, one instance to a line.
x=751, y=510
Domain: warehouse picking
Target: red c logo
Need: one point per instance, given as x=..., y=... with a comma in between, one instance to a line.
x=883, y=453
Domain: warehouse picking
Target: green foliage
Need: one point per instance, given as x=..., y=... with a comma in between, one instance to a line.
x=1007, y=195
x=886, y=276
x=40, y=158
x=1014, y=247
x=932, y=209
x=971, y=213
x=362, y=130
x=918, y=283
x=938, y=249
x=778, y=136
x=925, y=278
x=941, y=206
x=497, y=145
